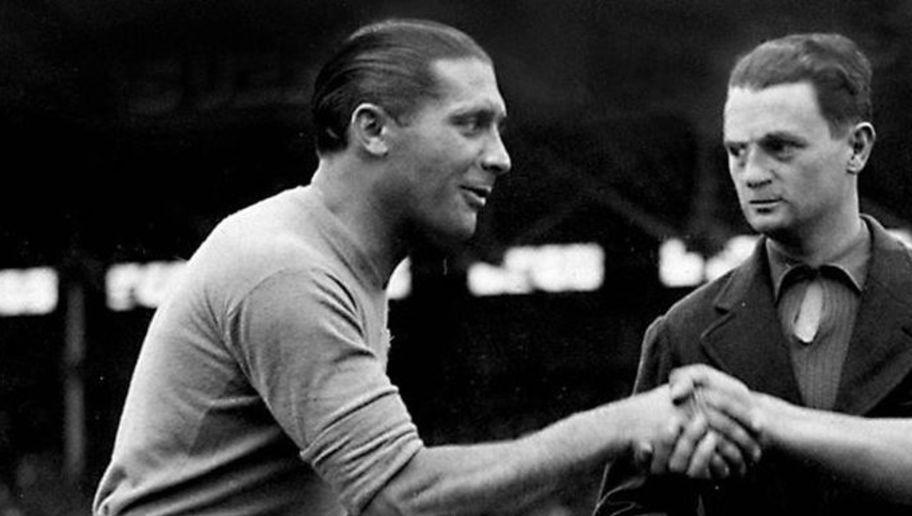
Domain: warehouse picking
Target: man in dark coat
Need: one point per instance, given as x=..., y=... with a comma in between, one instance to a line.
x=813, y=332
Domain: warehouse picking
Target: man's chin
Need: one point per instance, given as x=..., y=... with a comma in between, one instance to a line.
x=765, y=223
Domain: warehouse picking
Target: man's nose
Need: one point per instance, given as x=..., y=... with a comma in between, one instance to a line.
x=496, y=159
x=757, y=170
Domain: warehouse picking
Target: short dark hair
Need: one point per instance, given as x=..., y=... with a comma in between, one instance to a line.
x=832, y=63
x=386, y=63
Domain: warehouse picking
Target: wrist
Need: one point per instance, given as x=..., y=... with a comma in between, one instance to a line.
x=777, y=421
x=643, y=418
x=598, y=434
x=621, y=415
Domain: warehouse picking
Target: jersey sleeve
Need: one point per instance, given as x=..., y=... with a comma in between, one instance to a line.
x=301, y=338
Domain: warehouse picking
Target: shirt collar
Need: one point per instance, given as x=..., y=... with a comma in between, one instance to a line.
x=852, y=261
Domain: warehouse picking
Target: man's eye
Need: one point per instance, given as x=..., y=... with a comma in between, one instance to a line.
x=735, y=151
x=471, y=124
x=780, y=148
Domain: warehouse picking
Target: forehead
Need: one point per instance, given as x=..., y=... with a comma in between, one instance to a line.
x=782, y=108
x=467, y=84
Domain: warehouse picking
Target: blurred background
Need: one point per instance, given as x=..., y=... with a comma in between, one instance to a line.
x=129, y=128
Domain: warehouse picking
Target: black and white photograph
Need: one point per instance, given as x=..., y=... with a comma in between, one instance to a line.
x=455, y=257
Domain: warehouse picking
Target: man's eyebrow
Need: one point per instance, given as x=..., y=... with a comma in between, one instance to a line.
x=782, y=137
x=477, y=109
x=772, y=136
x=484, y=113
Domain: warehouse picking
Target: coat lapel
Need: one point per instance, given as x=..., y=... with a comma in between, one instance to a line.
x=746, y=341
x=880, y=351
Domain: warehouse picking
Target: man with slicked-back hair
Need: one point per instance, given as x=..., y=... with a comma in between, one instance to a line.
x=261, y=385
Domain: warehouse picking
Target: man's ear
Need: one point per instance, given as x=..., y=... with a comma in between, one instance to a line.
x=861, y=138
x=370, y=129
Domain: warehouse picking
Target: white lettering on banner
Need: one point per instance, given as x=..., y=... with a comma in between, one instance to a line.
x=677, y=266
x=134, y=285
x=736, y=250
x=548, y=268
x=28, y=291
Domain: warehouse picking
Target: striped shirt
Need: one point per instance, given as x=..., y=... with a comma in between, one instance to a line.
x=818, y=364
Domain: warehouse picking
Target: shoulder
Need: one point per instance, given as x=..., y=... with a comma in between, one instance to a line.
x=264, y=245
x=677, y=332
x=698, y=300
x=886, y=243
x=273, y=231
x=890, y=267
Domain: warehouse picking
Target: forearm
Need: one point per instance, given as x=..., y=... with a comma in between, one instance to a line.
x=508, y=477
x=874, y=453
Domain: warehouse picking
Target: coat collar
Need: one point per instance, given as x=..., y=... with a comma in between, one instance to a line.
x=747, y=341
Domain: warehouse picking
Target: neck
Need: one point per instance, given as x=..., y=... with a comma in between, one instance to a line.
x=350, y=193
x=819, y=247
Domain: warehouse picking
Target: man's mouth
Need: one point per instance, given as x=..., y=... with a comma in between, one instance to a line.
x=476, y=195
x=766, y=205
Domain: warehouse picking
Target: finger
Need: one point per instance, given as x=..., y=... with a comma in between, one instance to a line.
x=732, y=457
x=703, y=375
x=733, y=432
x=681, y=388
x=702, y=455
x=662, y=447
x=697, y=374
x=740, y=410
x=684, y=447
x=718, y=468
x=642, y=455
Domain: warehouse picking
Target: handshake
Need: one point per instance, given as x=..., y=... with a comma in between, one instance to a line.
x=703, y=424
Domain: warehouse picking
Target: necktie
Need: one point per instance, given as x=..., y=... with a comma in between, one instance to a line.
x=807, y=321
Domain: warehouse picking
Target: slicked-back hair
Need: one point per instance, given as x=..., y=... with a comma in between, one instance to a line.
x=388, y=64
x=832, y=63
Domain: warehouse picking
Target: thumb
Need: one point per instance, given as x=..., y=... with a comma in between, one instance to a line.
x=642, y=454
x=681, y=387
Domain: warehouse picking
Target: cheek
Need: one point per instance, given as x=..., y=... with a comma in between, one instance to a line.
x=812, y=181
x=738, y=184
x=435, y=196
x=443, y=180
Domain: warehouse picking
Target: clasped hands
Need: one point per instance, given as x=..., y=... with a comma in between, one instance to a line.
x=703, y=424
